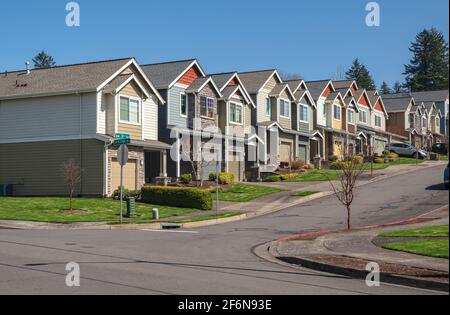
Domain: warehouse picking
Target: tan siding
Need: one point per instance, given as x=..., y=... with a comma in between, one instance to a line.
x=131, y=90
x=248, y=118
x=133, y=130
x=36, y=168
x=129, y=175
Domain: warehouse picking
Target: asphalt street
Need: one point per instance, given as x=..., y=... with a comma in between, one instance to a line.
x=212, y=260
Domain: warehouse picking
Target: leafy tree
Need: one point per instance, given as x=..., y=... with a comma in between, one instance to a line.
x=361, y=75
x=385, y=89
x=398, y=88
x=43, y=61
x=428, y=68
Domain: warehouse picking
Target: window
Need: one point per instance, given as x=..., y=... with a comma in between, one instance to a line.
x=337, y=112
x=351, y=116
x=438, y=122
x=129, y=110
x=424, y=122
x=284, y=108
x=411, y=120
x=206, y=107
x=184, y=105
x=304, y=113
x=268, y=107
x=363, y=116
x=378, y=121
x=235, y=113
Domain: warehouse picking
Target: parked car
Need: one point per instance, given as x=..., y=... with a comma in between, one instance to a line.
x=439, y=148
x=446, y=177
x=408, y=150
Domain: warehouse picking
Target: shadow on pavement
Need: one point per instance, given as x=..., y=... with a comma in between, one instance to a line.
x=438, y=187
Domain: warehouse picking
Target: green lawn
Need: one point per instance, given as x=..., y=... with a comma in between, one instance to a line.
x=305, y=193
x=429, y=231
x=437, y=248
x=89, y=210
x=443, y=158
x=245, y=193
x=209, y=217
x=399, y=161
x=317, y=176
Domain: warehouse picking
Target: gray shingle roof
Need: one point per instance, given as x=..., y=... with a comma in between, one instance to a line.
x=433, y=96
x=293, y=84
x=278, y=89
x=117, y=82
x=254, y=81
x=222, y=78
x=316, y=88
x=333, y=96
x=163, y=74
x=62, y=79
x=396, y=102
x=197, y=84
x=228, y=92
x=342, y=84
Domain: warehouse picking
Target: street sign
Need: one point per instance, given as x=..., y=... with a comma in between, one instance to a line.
x=122, y=141
x=121, y=136
x=122, y=155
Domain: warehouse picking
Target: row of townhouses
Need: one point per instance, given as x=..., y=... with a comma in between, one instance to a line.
x=73, y=112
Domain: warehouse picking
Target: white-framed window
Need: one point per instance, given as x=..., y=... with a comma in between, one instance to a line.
x=438, y=123
x=363, y=116
x=268, y=107
x=304, y=113
x=378, y=121
x=235, y=113
x=337, y=112
x=184, y=103
x=424, y=122
x=206, y=107
x=130, y=110
x=284, y=108
x=351, y=118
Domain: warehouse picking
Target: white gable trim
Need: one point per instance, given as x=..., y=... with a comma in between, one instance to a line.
x=194, y=63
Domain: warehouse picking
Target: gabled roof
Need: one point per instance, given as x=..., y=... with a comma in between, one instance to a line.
x=316, y=88
x=280, y=89
x=296, y=85
x=431, y=96
x=256, y=80
x=302, y=94
x=229, y=91
x=395, y=103
x=429, y=106
x=200, y=83
x=344, y=84
x=270, y=124
x=223, y=80
x=374, y=97
x=334, y=96
x=360, y=93
x=69, y=79
x=165, y=75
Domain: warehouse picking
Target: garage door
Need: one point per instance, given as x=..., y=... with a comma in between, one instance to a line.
x=302, y=150
x=285, y=152
x=234, y=166
x=129, y=175
x=379, y=146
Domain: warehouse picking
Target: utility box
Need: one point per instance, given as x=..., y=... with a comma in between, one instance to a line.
x=155, y=214
x=131, y=207
x=6, y=190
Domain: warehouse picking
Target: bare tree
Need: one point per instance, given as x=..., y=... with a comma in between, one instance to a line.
x=344, y=190
x=198, y=164
x=286, y=76
x=72, y=177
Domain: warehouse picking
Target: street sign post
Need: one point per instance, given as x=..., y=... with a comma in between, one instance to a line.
x=122, y=158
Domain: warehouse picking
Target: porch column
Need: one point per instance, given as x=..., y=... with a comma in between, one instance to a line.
x=163, y=164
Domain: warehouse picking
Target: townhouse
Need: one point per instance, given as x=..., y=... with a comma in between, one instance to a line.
x=432, y=124
x=51, y=116
x=192, y=99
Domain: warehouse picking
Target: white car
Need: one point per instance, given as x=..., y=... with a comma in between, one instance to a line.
x=408, y=150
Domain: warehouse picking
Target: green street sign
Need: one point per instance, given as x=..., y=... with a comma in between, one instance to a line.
x=122, y=141
x=121, y=136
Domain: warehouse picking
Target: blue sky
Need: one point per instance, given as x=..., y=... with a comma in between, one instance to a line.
x=316, y=39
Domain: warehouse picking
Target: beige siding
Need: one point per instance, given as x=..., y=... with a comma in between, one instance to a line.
x=150, y=119
x=36, y=168
x=109, y=102
x=261, y=100
x=129, y=175
x=131, y=90
x=248, y=118
x=134, y=131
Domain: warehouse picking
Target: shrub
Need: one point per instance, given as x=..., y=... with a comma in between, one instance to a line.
x=334, y=158
x=178, y=197
x=297, y=165
x=288, y=176
x=386, y=152
x=186, y=178
x=338, y=165
x=358, y=159
x=308, y=167
x=273, y=179
x=378, y=161
x=224, y=178
x=127, y=194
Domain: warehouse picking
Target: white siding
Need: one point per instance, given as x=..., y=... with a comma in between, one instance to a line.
x=110, y=120
x=42, y=117
x=150, y=119
x=101, y=113
x=321, y=119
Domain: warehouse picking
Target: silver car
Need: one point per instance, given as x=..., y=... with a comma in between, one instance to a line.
x=408, y=150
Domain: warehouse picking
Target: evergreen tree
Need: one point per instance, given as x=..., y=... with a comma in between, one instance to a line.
x=398, y=88
x=385, y=89
x=43, y=61
x=361, y=75
x=428, y=68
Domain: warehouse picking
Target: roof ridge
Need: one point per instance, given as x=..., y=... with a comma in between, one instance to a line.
x=324, y=80
x=168, y=62
x=257, y=71
x=71, y=65
x=221, y=73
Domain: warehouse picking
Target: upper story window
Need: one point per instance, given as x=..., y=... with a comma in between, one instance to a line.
x=438, y=122
x=424, y=122
x=268, y=107
x=411, y=120
x=304, y=113
x=337, y=112
x=129, y=110
x=235, y=113
x=206, y=107
x=363, y=115
x=378, y=121
x=284, y=108
x=183, y=105
x=351, y=116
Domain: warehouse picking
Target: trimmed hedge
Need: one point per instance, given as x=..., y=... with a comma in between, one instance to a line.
x=178, y=197
x=186, y=178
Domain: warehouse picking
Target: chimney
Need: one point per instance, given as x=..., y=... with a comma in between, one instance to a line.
x=27, y=64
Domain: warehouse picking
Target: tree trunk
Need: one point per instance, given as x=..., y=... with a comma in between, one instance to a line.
x=349, y=218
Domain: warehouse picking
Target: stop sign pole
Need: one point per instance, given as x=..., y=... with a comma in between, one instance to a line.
x=122, y=158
